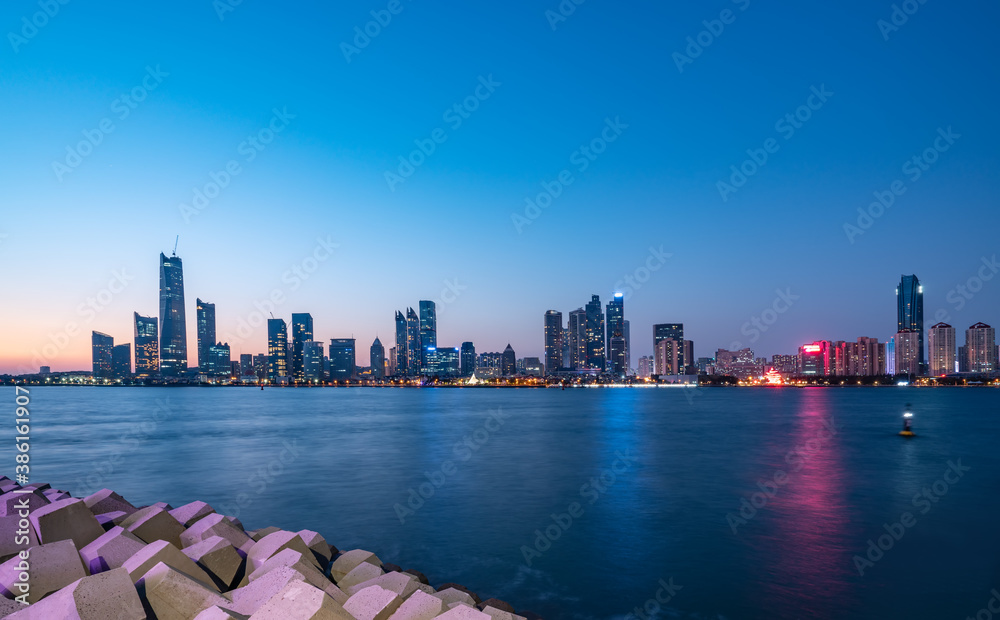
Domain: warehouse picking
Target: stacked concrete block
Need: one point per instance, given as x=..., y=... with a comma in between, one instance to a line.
x=110, y=550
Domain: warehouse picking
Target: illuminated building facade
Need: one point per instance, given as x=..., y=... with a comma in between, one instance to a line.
x=147, y=348
x=100, y=348
x=910, y=311
x=941, y=348
x=205, y=319
x=595, y=346
x=553, y=340
x=981, y=348
x=302, y=332
x=277, y=349
x=173, y=327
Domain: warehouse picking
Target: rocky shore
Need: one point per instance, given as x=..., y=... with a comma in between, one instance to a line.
x=101, y=558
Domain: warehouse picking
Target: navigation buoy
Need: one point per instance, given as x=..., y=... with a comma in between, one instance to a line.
x=907, y=423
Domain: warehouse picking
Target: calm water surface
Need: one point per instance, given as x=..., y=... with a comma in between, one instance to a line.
x=344, y=461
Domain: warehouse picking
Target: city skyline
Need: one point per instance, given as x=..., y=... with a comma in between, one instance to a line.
x=858, y=187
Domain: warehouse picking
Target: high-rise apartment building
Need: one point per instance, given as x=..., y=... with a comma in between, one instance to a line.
x=941, y=348
x=147, y=348
x=577, y=339
x=981, y=348
x=908, y=352
x=675, y=332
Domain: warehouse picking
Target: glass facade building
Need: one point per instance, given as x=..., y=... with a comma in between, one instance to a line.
x=342, y=359
x=675, y=332
x=206, y=332
x=147, y=348
x=121, y=361
x=553, y=341
x=173, y=327
x=428, y=328
x=100, y=348
x=595, y=345
x=468, y=359
x=910, y=312
x=413, y=345
x=508, y=362
x=312, y=361
x=277, y=349
x=399, y=360
x=377, y=359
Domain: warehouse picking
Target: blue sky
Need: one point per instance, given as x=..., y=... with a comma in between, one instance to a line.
x=211, y=84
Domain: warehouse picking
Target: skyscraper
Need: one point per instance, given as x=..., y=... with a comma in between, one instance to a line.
x=628, y=346
x=147, y=348
x=595, y=345
x=508, y=362
x=553, y=341
x=667, y=357
x=910, y=312
x=616, y=357
x=100, y=348
x=121, y=361
x=468, y=359
x=399, y=360
x=428, y=328
x=674, y=331
x=615, y=316
x=687, y=354
x=981, y=348
x=219, y=361
x=413, y=346
x=342, y=360
x=205, y=315
x=577, y=339
x=302, y=332
x=941, y=349
x=246, y=365
x=312, y=361
x=173, y=328
x=377, y=359
x=277, y=349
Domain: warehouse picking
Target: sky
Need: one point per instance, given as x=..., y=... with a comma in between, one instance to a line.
x=502, y=159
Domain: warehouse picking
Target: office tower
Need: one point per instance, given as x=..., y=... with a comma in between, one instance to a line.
x=147, y=348
x=668, y=354
x=687, y=354
x=963, y=358
x=508, y=362
x=246, y=365
x=260, y=366
x=100, y=348
x=578, y=339
x=236, y=370
x=342, y=361
x=616, y=357
x=468, y=361
x=908, y=352
x=219, y=361
x=399, y=359
x=615, y=316
x=675, y=332
x=413, y=346
x=553, y=340
x=393, y=371
x=595, y=345
x=910, y=312
x=377, y=359
x=302, y=332
x=277, y=349
x=814, y=358
x=628, y=347
x=443, y=362
x=941, y=349
x=428, y=327
x=981, y=348
x=205, y=315
x=645, y=370
x=312, y=361
x=121, y=361
x=173, y=328
x=566, y=357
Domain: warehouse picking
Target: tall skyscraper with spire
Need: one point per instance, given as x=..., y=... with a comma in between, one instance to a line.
x=206, y=332
x=173, y=327
x=910, y=312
